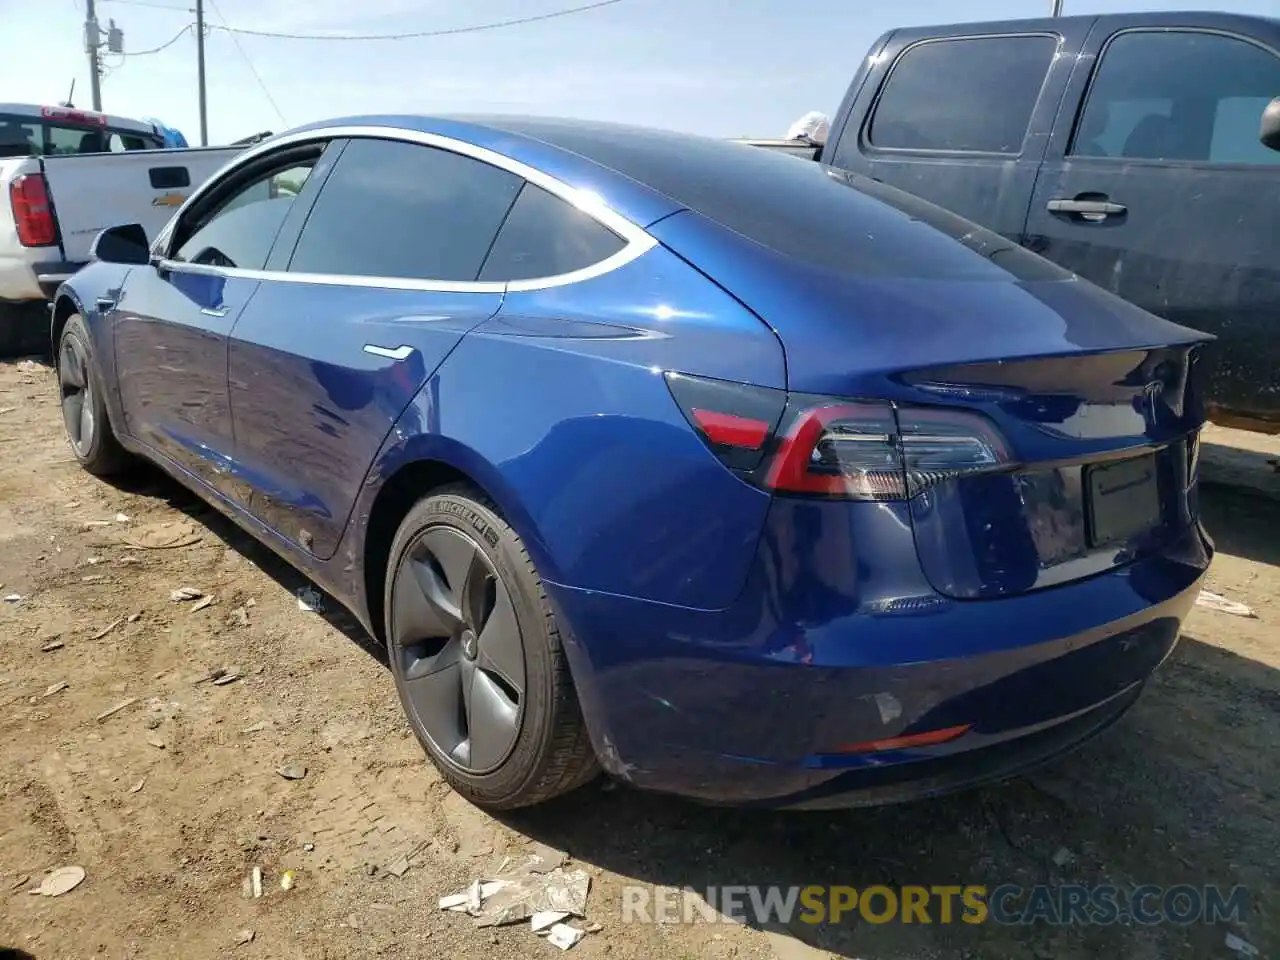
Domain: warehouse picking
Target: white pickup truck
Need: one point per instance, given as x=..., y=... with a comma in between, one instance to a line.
x=65, y=174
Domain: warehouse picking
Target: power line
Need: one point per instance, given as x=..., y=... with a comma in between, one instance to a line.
x=164, y=46
x=252, y=68
x=417, y=35
x=153, y=6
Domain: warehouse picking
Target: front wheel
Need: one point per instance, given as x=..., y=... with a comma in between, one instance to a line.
x=84, y=410
x=477, y=657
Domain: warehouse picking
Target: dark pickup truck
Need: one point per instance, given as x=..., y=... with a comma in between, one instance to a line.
x=1141, y=151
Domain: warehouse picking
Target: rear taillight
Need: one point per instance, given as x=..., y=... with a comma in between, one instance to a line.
x=818, y=446
x=32, y=214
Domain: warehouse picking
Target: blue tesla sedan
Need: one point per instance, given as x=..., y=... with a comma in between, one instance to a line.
x=736, y=476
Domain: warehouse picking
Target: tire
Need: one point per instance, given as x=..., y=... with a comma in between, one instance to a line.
x=24, y=329
x=84, y=411
x=452, y=562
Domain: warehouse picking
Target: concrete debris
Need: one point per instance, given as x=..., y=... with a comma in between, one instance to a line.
x=292, y=771
x=310, y=600
x=183, y=594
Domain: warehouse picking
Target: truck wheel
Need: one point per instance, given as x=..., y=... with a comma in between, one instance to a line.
x=477, y=657
x=84, y=412
x=24, y=330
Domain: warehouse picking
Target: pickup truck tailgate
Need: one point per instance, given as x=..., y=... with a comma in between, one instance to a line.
x=93, y=191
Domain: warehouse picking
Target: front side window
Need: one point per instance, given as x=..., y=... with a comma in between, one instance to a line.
x=544, y=236
x=239, y=232
x=1179, y=95
x=972, y=95
x=404, y=210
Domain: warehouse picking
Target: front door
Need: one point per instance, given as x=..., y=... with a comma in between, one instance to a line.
x=341, y=336
x=173, y=317
x=1164, y=195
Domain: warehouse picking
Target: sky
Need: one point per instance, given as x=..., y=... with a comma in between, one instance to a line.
x=720, y=67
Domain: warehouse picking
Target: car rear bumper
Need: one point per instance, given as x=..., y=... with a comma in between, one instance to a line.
x=760, y=703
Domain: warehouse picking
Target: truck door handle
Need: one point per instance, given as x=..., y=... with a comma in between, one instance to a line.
x=106, y=304
x=1087, y=209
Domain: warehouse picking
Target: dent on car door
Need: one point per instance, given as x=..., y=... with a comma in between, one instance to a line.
x=1164, y=195
x=380, y=288
x=172, y=319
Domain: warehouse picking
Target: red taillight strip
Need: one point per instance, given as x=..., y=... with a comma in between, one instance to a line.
x=730, y=430
x=930, y=738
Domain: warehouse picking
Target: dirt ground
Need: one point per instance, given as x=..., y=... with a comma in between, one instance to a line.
x=170, y=801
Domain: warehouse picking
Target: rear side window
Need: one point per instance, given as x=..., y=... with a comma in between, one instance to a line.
x=544, y=236
x=1179, y=95
x=27, y=137
x=394, y=209
x=974, y=95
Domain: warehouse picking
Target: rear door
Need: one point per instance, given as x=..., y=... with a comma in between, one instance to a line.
x=172, y=317
x=343, y=333
x=961, y=119
x=91, y=192
x=1160, y=191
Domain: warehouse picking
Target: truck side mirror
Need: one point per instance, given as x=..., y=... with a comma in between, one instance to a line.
x=1269, y=132
x=125, y=244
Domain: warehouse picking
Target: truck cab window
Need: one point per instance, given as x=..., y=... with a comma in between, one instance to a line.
x=939, y=93
x=1179, y=95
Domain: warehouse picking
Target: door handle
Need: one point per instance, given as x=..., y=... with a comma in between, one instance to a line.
x=215, y=311
x=106, y=304
x=1088, y=209
x=402, y=352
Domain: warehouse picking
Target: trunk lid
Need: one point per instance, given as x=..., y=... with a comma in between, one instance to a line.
x=1099, y=401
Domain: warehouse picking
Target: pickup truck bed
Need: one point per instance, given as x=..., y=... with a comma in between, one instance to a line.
x=1123, y=147
x=54, y=206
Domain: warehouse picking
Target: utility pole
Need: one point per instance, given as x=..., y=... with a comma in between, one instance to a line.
x=1057, y=7
x=91, y=42
x=204, y=106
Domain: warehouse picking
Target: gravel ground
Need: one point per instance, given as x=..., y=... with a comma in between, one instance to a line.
x=169, y=802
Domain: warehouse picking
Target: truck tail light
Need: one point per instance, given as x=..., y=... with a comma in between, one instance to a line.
x=836, y=449
x=32, y=214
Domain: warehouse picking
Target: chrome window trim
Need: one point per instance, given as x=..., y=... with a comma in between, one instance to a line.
x=637, y=242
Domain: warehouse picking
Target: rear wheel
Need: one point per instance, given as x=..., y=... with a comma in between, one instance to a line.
x=477, y=657
x=84, y=411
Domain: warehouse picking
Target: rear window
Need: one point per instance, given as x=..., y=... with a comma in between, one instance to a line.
x=972, y=95
x=814, y=213
x=27, y=136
